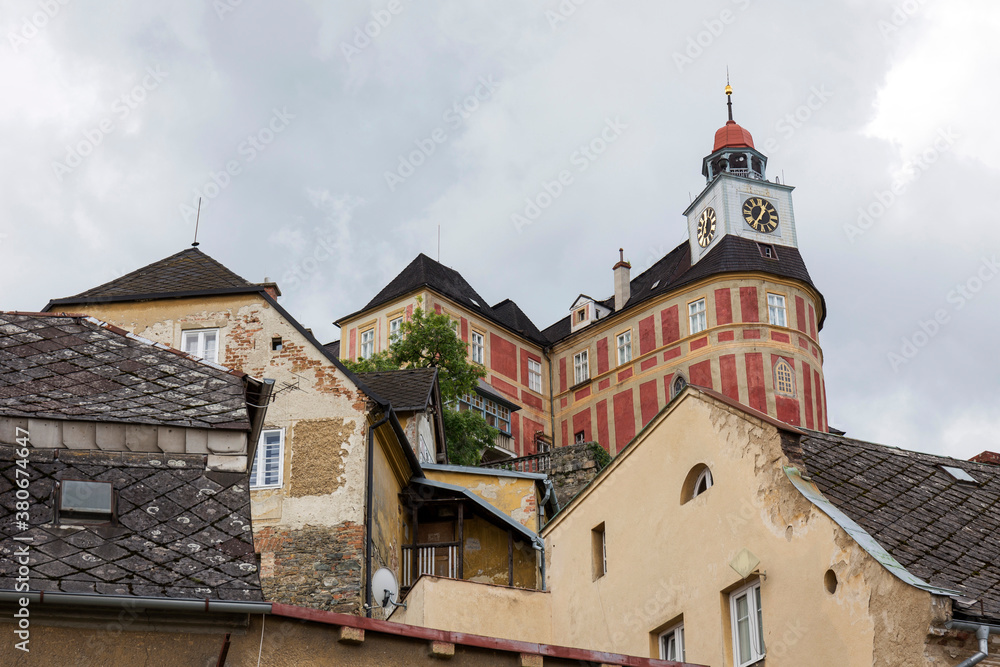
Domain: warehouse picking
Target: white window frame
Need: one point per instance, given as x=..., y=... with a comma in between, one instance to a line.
x=677, y=631
x=697, y=318
x=534, y=375
x=581, y=367
x=199, y=336
x=704, y=477
x=624, y=344
x=754, y=619
x=395, y=326
x=367, y=347
x=777, y=314
x=257, y=473
x=478, y=348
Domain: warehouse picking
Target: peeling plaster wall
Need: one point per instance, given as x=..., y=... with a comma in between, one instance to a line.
x=306, y=530
x=516, y=497
x=668, y=561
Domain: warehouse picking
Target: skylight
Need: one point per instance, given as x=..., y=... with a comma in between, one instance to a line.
x=960, y=474
x=88, y=501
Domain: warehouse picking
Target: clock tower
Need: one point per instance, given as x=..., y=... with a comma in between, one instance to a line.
x=738, y=199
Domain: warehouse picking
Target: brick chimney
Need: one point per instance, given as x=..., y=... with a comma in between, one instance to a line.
x=270, y=287
x=622, y=285
x=987, y=457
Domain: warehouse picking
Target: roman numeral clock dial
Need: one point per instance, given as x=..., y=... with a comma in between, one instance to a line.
x=760, y=214
x=706, y=227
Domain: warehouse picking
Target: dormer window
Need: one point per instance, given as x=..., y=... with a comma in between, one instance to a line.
x=581, y=315
x=81, y=501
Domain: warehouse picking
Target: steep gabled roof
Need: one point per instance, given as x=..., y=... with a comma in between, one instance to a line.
x=942, y=530
x=425, y=272
x=182, y=531
x=189, y=272
x=407, y=388
x=511, y=313
x=75, y=367
x=731, y=254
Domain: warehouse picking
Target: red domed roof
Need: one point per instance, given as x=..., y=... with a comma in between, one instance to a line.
x=732, y=135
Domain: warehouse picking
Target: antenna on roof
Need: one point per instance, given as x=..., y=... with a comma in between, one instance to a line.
x=197, y=218
x=439, y=244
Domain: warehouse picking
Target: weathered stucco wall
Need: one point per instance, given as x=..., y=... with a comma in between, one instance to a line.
x=307, y=529
x=495, y=611
x=668, y=561
x=517, y=497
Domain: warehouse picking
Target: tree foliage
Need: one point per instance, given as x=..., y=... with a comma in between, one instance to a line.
x=467, y=435
x=429, y=340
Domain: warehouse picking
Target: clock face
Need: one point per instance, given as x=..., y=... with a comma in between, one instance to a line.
x=706, y=227
x=760, y=214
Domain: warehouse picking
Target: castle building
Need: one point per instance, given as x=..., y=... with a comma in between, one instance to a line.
x=732, y=309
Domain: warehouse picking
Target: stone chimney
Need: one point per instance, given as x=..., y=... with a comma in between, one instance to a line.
x=622, y=285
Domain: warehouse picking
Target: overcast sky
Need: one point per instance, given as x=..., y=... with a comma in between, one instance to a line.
x=287, y=117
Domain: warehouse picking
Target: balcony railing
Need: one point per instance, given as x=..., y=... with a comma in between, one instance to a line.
x=541, y=462
x=440, y=560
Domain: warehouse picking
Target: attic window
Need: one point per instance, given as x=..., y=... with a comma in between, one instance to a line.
x=581, y=315
x=653, y=286
x=960, y=475
x=276, y=344
x=86, y=502
x=767, y=251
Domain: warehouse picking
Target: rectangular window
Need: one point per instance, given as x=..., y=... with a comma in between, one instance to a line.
x=581, y=367
x=696, y=316
x=534, y=376
x=394, y=329
x=265, y=473
x=579, y=437
x=600, y=551
x=581, y=315
x=624, y=348
x=672, y=644
x=495, y=414
x=201, y=343
x=367, y=344
x=776, y=310
x=748, y=632
x=478, y=347
x=85, y=502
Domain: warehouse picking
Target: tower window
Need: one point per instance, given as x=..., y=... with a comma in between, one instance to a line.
x=678, y=385
x=784, y=378
x=696, y=316
x=776, y=310
x=767, y=251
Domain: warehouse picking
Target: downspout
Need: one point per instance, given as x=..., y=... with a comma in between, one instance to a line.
x=539, y=545
x=552, y=403
x=983, y=631
x=369, y=511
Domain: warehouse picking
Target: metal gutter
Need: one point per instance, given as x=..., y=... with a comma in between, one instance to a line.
x=860, y=535
x=983, y=632
x=130, y=602
x=259, y=413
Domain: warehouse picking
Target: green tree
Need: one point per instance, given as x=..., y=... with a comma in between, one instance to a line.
x=429, y=340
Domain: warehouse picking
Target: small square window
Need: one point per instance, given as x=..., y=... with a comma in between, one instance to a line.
x=581, y=315
x=767, y=251
x=276, y=344
x=201, y=343
x=579, y=437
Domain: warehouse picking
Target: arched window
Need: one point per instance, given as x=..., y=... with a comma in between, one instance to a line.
x=784, y=378
x=678, y=385
x=698, y=481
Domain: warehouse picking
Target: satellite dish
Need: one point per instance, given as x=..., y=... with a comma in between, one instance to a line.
x=385, y=590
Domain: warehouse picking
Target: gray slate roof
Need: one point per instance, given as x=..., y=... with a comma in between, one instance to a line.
x=674, y=270
x=187, y=271
x=406, y=389
x=183, y=532
x=71, y=367
x=425, y=272
x=944, y=531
